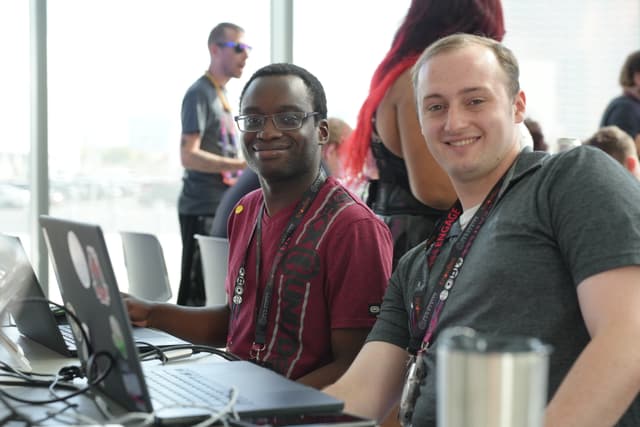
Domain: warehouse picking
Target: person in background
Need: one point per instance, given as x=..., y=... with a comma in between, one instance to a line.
x=537, y=245
x=539, y=144
x=624, y=110
x=298, y=301
x=412, y=190
x=619, y=145
x=333, y=150
x=208, y=151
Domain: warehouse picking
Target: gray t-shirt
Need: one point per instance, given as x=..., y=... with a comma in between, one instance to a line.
x=204, y=114
x=560, y=220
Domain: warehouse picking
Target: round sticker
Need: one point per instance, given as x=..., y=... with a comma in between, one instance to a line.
x=132, y=385
x=117, y=337
x=97, y=277
x=78, y=259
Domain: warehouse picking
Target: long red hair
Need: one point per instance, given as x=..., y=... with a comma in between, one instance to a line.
x=426, y=21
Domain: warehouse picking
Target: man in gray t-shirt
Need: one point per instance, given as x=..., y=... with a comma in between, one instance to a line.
x=557, y=256
x=208, y=151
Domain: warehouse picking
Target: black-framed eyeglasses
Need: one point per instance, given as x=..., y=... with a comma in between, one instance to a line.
x=289, y=120
x=237, y=46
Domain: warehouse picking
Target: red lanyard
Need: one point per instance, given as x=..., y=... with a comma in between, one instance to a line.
x=423, y=318
x=263, y=313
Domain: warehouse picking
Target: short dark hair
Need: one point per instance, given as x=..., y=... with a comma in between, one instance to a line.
x=630, y=67
x=318, y=97
x=219, y=33
x=505, y=57
x=613, y=141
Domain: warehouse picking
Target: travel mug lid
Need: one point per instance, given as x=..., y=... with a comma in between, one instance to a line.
x=466, y=339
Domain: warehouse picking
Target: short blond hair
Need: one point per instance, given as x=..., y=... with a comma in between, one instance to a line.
x=505, y=57
x=613, y=141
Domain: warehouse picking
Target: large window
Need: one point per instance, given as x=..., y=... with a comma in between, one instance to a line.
x=117, y=71
x=342, y=43
x=116, y=81
x=14, y=117
x=570, y=55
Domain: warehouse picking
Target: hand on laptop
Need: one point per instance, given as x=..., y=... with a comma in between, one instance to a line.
x=138, y=310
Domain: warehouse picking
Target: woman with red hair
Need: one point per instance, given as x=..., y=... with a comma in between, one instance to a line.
x=412, y=191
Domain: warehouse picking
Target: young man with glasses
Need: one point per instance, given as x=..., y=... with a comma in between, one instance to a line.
x=208, y=151
x=308, y=261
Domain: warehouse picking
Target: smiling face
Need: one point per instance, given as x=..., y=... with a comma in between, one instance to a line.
x=274, y=154
x=467, y=115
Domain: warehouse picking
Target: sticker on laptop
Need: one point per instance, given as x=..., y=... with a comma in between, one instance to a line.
x=78, y=259
x=100, y=287
x=117, y=337
x=132, y=384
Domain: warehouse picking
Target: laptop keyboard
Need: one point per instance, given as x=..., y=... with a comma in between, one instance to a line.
x=171, y=387
x=67, y=336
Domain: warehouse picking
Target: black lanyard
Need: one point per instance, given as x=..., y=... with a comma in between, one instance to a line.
x=423, y=318
x=263, y=313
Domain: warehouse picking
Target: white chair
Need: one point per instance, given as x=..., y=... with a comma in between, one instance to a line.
x=214, y=254
x=146, y=267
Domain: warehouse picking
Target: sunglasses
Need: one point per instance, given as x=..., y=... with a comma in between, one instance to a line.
x=237, y=47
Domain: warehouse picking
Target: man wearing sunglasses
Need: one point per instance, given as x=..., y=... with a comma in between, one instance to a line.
x=208, y=151
x=308, y=260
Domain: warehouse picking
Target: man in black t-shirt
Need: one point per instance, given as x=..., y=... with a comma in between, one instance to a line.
x=208, y=151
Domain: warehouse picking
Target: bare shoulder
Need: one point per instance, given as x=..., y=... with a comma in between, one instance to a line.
x=402, y=88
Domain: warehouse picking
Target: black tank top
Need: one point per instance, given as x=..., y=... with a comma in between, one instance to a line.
x=391, y=193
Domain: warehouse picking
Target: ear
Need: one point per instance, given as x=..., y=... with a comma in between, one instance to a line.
x=213, y=49
x=520, y=107
x=636, y=78
x=323, y=132
x=631, y=163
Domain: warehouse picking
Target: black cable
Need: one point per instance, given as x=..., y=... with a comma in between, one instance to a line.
x=154, y=350
x=16, y=373
x=78, y=391
x=161, y=352
x=208, y=349
x=51, y=415
x=14, y=415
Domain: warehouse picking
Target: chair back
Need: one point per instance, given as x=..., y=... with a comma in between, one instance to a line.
x=214, y=254
x=146, y=267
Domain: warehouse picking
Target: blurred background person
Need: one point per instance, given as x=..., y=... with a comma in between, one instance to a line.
x=619, y=145
x=539, y=144
x=333, y=150
x=412, y=191
x=624, y=110
x=208, y=151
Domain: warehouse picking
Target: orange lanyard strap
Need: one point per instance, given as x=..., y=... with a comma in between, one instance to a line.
x=219, y=91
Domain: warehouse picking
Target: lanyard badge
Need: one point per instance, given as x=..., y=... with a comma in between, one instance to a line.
x=416, y=373
x=425, y=313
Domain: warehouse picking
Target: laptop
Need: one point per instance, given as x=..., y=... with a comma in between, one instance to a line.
x=36, y=320
x=89, y=289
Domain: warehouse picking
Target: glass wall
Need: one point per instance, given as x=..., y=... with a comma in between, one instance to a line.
x=342, y=43
x=117, y=71
x=570, y=53
x=14, y=117
x=116, y=81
